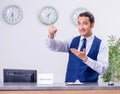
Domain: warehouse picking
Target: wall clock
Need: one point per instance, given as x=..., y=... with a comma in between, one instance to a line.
x=48, y=15
x=12, y=14
x=75, y=14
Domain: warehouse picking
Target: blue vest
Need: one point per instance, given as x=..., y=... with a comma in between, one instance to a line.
x=77, y=69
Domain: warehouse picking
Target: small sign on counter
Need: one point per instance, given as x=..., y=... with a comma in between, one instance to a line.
x=45, y=78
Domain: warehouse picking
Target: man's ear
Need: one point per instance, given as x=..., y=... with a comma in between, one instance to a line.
x=92, y=25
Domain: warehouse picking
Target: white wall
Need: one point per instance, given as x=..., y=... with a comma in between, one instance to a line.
x=23, y=45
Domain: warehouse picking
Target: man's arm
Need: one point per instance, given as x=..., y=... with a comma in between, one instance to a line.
x=56, y=45
x=100, y=65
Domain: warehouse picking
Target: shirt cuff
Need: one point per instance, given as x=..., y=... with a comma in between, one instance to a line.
x=89, y=62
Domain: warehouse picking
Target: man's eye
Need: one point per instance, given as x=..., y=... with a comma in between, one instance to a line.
x=85, y=23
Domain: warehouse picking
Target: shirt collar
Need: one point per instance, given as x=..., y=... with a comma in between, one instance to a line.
x=88, y=38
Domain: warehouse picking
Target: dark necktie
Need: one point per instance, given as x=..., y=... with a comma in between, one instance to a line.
x=83, y=44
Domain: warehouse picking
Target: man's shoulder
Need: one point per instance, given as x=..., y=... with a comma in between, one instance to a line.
x=98, y=38
x=76, y=37
x=103, y=42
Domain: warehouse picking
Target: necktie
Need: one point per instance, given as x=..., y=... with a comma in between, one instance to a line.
x=83, y=44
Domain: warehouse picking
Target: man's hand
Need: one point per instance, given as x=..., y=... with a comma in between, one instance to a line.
x=52, y=30
x=80, y=54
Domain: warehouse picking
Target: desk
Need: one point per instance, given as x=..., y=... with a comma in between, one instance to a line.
x=33, y=88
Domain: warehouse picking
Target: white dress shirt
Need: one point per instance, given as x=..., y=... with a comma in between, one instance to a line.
x=100, y=65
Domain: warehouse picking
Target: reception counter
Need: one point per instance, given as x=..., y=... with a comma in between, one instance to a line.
x=33, y=88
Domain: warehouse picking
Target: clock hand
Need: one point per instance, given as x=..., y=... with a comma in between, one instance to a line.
x=48, y=15
x=12, y=15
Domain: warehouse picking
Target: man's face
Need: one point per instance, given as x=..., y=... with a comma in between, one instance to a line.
x=84, y=26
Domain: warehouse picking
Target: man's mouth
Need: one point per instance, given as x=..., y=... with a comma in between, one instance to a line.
x=82, y=30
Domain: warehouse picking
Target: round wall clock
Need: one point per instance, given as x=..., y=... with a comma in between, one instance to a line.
x=75, y=14
x=48, y=15
x=12, y=14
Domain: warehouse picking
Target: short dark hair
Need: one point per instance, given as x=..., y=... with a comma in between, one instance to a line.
x=88, y=14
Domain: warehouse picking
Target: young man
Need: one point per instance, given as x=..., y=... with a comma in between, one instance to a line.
x=84, y=64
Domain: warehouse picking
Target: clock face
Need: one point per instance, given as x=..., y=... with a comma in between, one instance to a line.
x=48, y=15
x=75, y=14
x=12, y=14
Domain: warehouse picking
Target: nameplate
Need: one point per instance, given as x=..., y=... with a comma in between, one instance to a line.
x=45, y=78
